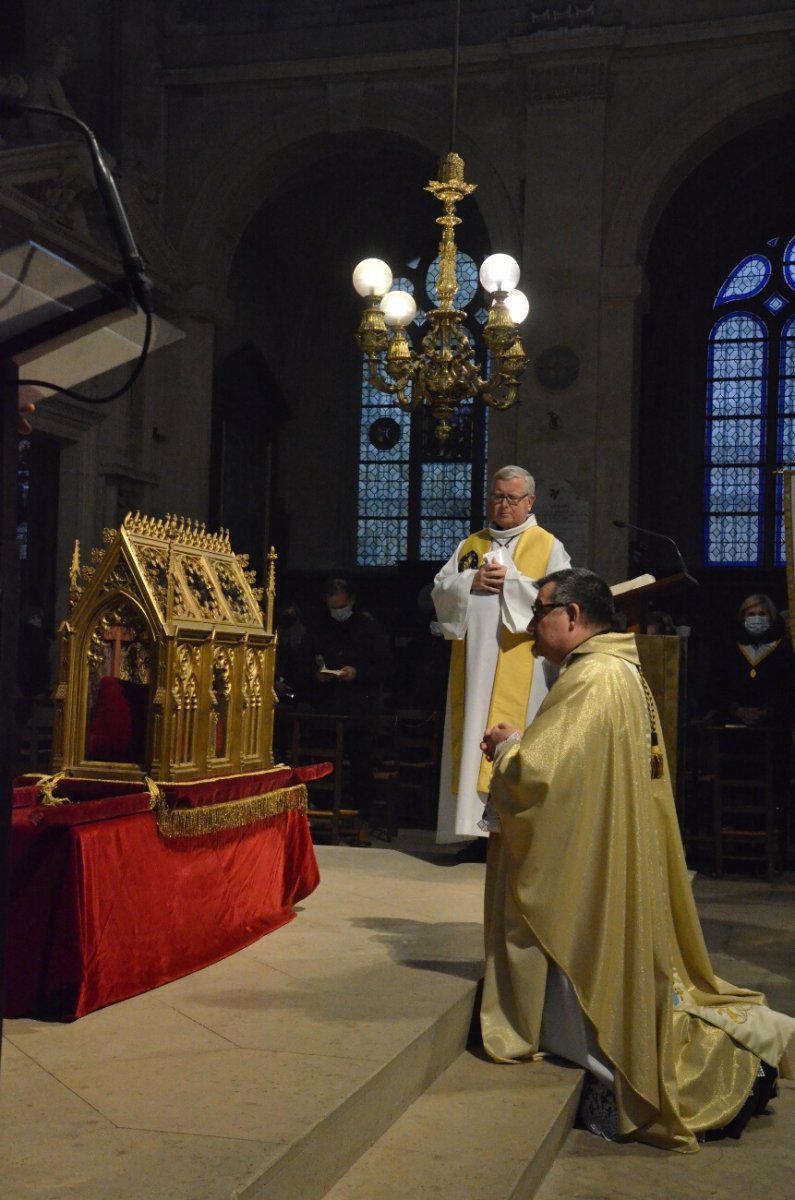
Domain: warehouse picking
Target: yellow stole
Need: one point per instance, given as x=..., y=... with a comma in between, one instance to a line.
x=513, y=677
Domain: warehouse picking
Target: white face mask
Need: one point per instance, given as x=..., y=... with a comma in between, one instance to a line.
x=341, y=614
x=757, y=623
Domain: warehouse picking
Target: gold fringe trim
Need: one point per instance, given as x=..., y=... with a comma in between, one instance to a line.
x=211, y=818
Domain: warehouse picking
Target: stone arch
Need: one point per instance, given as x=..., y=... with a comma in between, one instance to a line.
x=687, y=139
x=247, y=173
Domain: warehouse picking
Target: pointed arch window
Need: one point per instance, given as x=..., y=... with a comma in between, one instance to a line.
x=750, y=410
x=418, y=497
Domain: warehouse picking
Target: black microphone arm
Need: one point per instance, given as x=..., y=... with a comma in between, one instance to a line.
x=663, y=537
x=132, y=262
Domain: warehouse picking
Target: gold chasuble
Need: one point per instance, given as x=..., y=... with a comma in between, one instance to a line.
x=588, y=872
x=514, y=674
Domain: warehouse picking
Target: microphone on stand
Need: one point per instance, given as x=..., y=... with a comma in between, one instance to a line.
x=663, y=537
x=11, y=106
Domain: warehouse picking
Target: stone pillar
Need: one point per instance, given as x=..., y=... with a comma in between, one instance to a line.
x=617, y=401
x=554, y=431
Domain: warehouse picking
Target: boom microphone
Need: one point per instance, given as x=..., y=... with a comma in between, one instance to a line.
x=663, y=537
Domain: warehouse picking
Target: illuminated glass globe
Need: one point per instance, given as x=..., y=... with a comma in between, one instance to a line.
x=518, y=306
x=399, y=308
x=499, y=273
x=372, y=277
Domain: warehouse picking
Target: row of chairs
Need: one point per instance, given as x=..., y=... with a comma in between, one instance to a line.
x=405, y=774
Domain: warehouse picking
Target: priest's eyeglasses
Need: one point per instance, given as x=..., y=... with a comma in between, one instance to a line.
x=538, y=610
x=501, y=498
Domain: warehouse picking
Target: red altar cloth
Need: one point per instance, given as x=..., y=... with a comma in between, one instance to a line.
x=105, y=909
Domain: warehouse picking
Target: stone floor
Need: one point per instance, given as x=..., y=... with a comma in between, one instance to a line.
x=207, y=1088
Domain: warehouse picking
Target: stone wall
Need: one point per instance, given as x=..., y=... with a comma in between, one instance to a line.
x=577, y=122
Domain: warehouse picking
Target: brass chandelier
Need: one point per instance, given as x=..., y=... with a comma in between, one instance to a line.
x=443, y=372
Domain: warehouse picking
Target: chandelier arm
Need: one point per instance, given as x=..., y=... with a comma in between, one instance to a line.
x=487, y=393
x=389, y=387
x=379, y=381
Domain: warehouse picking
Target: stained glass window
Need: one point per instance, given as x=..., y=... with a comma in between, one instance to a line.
x=747, y=279
x=750, y=411
x=417, y=497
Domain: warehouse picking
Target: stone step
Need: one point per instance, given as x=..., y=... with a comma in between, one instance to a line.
x=308, y=1166
x=482, y=1131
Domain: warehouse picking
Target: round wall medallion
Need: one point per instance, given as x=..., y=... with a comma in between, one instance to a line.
x=557, y=367
x=384, y=433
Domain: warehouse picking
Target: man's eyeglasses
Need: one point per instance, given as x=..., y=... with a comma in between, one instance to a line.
x=501, y=498
x=538, y=610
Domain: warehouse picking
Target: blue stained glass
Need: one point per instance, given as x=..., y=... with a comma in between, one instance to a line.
x=734, y=441
x=732, y=541
x=738, y=458
x=438, y=539
x=788, y=347
x=736, y=398
x=384, y=479
x=747, y=279
x=737, y=326
x=446, y=490
x=733, y=489
x=789, y=263
x=786, y=442
x=401, y=284
x=381, y=543
x=781, y=541
x=466, y=274
x=775, y=303
x=786, y=395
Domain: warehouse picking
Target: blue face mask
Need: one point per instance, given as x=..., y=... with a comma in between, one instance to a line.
x=341, y=614
x=757, y=623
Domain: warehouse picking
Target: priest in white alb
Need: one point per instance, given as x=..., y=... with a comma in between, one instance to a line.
x=484, y=597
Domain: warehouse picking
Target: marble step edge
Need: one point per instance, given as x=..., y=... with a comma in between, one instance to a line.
x=481, y=1130
x=308, y=1167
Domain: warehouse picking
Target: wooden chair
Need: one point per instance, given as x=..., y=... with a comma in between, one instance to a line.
x=418, y=746
x=386, y=792
x=319, y=737
x=749, y=795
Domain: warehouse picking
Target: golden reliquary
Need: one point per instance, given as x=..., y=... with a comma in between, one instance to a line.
x=165, y=662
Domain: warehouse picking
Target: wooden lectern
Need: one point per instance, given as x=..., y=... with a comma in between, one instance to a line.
x=60, y=325
x=664, y=662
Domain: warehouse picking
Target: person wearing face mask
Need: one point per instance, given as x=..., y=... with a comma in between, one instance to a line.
x=757, y=676
x=353, y=659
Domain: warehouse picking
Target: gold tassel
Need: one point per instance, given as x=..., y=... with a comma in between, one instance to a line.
x=211, y=818
x=657, y=763
x=657, y=766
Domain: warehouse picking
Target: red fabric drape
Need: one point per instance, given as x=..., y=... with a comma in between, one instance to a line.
x=103, y=910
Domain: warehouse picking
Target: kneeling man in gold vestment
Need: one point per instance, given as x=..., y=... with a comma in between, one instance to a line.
x=594, y=950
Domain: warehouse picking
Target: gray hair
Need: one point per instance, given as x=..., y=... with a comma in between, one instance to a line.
x=516, y=473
